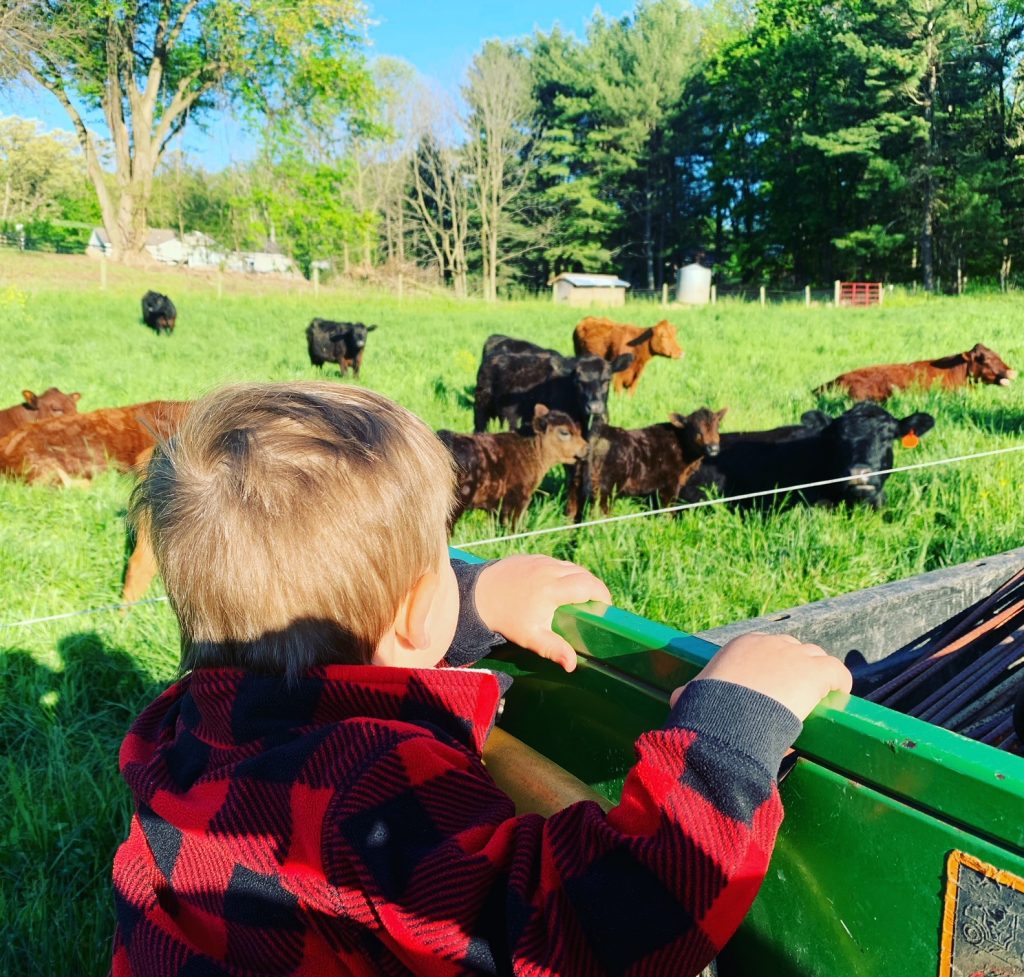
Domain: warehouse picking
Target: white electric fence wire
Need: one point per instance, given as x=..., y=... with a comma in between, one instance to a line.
x=736, y=498
x=607, y=520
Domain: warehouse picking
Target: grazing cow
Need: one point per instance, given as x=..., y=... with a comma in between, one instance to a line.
x=37, y=407
x=78, y=446
x=979, y=364
x=500, y=472
x=497, y=343
x=603, y=337
x=656, y=460
x=337, y=342
x=852, y=446
x=158, y=312
x=510, y=384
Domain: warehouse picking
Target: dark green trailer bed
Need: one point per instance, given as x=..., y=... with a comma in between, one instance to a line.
x=887, y=817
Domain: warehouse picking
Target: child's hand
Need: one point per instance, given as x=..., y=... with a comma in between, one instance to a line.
x=517, y=597
x=777, y=665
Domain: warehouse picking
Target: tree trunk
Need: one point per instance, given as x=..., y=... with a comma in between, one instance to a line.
x=928, y=214
x=649, y=235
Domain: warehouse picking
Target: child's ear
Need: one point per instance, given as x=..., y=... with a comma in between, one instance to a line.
x=411, y=623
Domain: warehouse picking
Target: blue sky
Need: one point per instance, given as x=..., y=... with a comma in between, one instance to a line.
x=439, y=37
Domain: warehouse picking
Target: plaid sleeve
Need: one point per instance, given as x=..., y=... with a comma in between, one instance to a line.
x=656, y=886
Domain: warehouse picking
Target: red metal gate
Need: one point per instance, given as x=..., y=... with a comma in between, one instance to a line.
x=860, y=293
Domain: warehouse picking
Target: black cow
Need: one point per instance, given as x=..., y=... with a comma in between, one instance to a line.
x=497, y=343
x=852, y=445
x=515, y=376
x=337, y=342
x=158, y=312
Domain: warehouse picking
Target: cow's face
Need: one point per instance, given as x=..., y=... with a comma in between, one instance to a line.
x=355, y=338
x=592, y=377
x=664, y=342
x=699, y=431
x=563, y=439
x=860, y=444
x=986, y=366
x=52, y=403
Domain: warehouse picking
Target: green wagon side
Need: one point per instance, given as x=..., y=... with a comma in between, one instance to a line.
x=875, y=804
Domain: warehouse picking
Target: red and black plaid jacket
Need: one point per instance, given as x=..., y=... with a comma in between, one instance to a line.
x=346, y=825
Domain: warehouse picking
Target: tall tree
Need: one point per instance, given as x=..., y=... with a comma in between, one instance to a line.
x=501, y=136
x=439, y=205
x=151, y=66
x=640, y=67
x=38, y=170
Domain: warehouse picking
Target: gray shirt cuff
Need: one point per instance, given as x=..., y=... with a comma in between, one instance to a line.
x=473, y=639
x=743, y=720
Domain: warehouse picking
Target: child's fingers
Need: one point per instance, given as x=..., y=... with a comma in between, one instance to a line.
x=549, y=645
x=837, y=676
x=580, y=586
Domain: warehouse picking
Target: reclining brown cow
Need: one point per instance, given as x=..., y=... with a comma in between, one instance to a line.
x=978, y=364
x=37, y=407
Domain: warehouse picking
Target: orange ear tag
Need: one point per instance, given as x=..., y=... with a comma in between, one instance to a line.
x=910, y=440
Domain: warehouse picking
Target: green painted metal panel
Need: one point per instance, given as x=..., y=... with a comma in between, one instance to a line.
x=874, y=805
x=856, y=884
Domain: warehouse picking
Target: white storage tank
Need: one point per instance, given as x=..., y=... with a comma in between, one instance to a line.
x=694, y=284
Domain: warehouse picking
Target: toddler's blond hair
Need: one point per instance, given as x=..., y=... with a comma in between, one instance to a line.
x=289, y=520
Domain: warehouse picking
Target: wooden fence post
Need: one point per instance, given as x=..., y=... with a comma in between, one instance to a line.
x=837, y=291
x=881, y=293
x=762, y=295
x=807, y=295
x=714, y=294
x=664, y=293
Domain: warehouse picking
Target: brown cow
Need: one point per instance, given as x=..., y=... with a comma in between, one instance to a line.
x=500, y=472
x=603, y=337
x=64, y=448
x=657, y=460
x=978, y=364
x=37, y=407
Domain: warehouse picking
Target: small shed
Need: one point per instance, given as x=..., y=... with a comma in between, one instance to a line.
x=579, y=289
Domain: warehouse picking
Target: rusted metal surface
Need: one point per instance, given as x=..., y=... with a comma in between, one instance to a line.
x=966, y=674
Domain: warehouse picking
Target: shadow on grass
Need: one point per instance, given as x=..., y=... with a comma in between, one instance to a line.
x=66, y=808
x=997, y=420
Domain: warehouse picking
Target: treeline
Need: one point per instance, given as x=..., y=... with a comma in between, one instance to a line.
x=786, y=142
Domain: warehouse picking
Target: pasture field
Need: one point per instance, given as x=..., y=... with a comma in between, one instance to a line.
x=69, y=688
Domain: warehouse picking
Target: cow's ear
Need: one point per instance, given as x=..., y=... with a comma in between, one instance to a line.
x=31, y=400
x=920, y=423
x=76, y=397
x=644, y=337
x=370, y=328
x=540, y=418
x=621, y=362
x=720, y=414
x=815, y=420
x=678, y=420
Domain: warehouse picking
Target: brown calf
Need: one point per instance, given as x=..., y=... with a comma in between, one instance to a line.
x=978, y=364
x=657, y=460
x=78, y=446
x=37, y=407
x=500, y=472
x=603, y=337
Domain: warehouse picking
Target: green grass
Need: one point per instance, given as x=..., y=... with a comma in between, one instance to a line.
x=69, y=688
